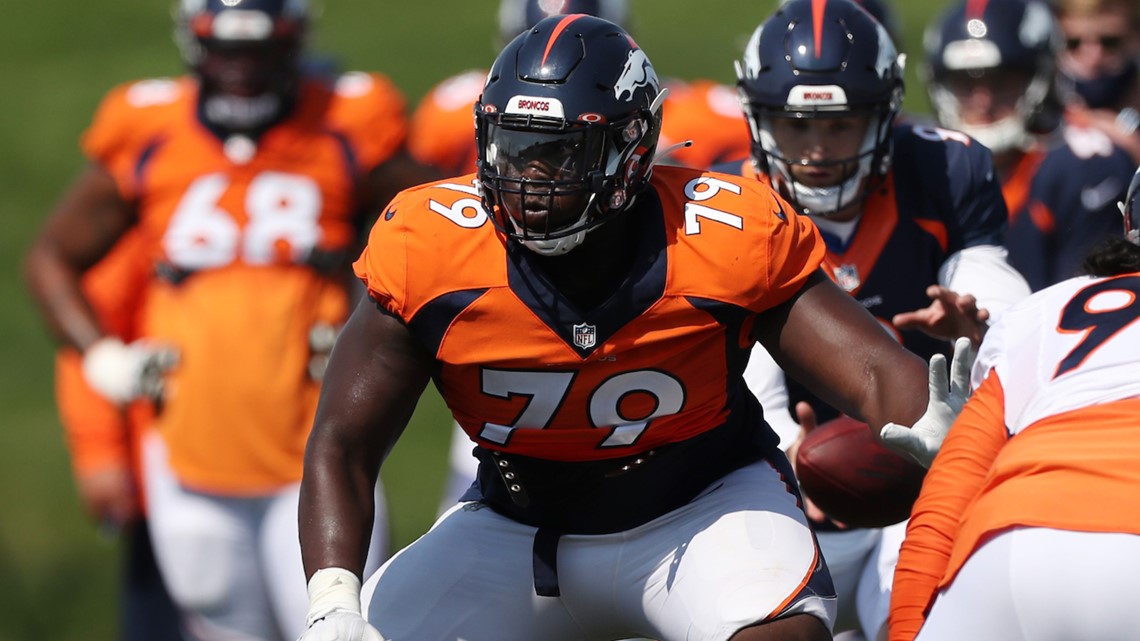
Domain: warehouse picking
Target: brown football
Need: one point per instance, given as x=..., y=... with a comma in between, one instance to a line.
x=850, y=475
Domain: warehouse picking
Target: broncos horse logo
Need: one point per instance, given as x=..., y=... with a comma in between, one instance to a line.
x=637, y=72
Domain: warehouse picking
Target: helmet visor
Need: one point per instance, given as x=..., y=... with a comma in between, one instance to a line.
x=542, y=179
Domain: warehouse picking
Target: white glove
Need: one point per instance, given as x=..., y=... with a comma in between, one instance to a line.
x=121, y=373
x=947, y=397
x=334, y=608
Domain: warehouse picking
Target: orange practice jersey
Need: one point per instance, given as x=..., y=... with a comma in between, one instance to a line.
x=99, y=434
x=236, y=228
x=1048, y=439
x=527, y=373
x=710, y=115
x=442, y=129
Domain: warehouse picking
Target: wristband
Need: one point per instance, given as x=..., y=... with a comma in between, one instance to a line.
x=332, y=590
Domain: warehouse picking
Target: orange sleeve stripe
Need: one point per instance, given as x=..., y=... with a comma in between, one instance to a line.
x=953, y=482
x=936, y=229
x=1042, y=217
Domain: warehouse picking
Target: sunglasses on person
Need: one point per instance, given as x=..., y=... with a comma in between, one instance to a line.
x=1107, y=42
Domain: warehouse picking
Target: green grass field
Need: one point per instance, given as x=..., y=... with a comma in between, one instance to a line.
x=57, y=577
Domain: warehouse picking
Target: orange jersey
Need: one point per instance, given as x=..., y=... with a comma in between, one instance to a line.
x=710, y=115
x=1049, y=438
x=237, y=229
x=442, y=129
x=525, y=372
x=99, y=434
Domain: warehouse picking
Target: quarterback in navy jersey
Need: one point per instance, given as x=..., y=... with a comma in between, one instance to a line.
x=912, y=216
x=1061, y=181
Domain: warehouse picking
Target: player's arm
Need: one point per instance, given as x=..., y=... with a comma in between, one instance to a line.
x=88, y=220
x=825, y=339
x=375, y=376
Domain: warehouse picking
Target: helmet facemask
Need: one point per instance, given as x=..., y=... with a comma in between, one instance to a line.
x=548, y=182
x=247, y=61
x=1007, y=49
x=867, y=167
x=1009, y=133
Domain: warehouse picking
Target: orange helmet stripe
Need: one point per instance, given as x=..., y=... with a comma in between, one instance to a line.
x=818, y=7
x=558, y=29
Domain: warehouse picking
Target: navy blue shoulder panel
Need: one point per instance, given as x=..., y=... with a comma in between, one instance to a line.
x=432, y=321
x=142, y=163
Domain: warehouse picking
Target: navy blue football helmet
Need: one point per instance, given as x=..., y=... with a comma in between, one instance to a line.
x=516, y=16
x=814, y=59
x=246, y=54
x=976, y=38
x=577, y=95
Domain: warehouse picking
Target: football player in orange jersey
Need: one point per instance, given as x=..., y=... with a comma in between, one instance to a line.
x=440, y=134
x=104, y=442
x=1028, y=524
x=249, y=183
x=586, y=316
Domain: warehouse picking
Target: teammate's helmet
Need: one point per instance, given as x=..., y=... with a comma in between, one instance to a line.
x=1131, y=210
x=246, y=53
x=978, y=37
x=814, y=59
x=516, y=16
x=577, y=95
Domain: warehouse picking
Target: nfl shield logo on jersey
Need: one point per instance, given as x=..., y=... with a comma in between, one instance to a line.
x=847, y=277
x=585, y=335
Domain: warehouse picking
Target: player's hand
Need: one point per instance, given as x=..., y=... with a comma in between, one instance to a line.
x=109, y=495
x=805, y=415
x=341, y=625
x=121, y=373
x=948, y=393
x=949, y=316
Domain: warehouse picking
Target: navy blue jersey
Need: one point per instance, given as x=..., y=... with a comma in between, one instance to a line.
x=1062, y=201
x=940, y=196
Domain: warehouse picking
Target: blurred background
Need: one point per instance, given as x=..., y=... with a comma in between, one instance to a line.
x=57, y=59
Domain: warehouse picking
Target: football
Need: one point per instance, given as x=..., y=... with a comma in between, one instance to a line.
x=850, y=475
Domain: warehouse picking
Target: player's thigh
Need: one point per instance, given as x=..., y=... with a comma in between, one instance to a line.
x=207, y=550
x=738, y=555
x=847, y=553
x=470, y=577
x=1040, y=584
